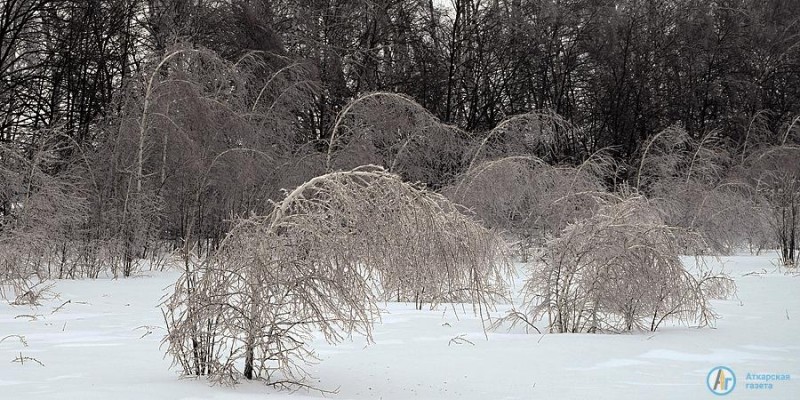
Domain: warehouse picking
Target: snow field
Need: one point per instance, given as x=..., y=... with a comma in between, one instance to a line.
x=101, y=340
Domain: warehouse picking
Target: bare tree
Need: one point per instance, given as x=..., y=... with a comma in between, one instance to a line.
x=693, y=184
x=543, y=134
x=730, y=215
x=526, y=197
x=775, y=173
x=393, y=131
x=320, y=261
x=40, y=224
x=665, y=155
x=199, y=139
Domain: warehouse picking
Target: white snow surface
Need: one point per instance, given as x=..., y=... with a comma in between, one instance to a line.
x=105, y=344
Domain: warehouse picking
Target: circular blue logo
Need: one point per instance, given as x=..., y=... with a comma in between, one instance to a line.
x=721, y=380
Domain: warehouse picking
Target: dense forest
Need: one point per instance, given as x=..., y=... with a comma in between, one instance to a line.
x=133, y=128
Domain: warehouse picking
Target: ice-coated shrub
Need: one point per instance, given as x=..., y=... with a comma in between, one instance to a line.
x=395, y=132
x=524, y=196
x=42, y=218
x=620, y=270
x=320, y=262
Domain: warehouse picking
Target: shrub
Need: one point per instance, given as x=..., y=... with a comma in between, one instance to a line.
x=690, y=181
x=543, y=134
x=316, y=262
x=729, y=215
x=620, y=270
x=775, y=173
x=524, y=196
x=393, y=131
x=42, y=215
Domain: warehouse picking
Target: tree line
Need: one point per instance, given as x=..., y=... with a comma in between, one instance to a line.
x=622, y=70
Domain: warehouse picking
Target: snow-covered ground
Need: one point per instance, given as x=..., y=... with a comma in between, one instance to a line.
x=104, y=344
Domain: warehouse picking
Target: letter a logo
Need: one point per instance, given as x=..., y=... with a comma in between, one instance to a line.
x=721, y=380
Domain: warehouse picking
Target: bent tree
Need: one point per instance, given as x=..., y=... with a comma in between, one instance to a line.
x=319, y=262
x=394, y=131
x=528, y=198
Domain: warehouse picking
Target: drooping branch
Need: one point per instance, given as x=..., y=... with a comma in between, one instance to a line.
x=321, y=260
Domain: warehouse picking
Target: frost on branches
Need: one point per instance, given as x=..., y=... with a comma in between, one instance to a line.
x=320, y=262
x=620, y=270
